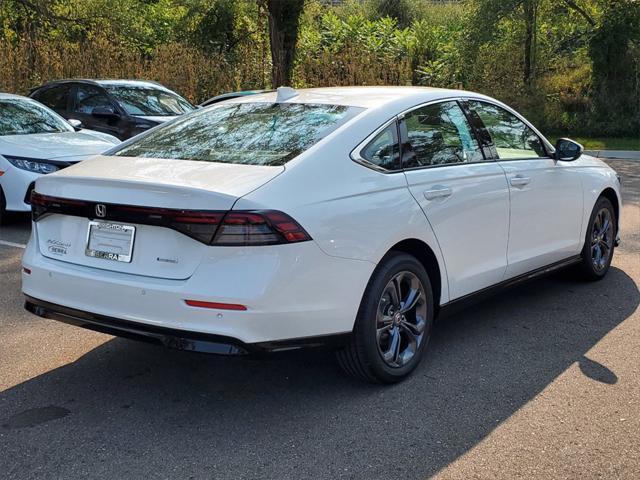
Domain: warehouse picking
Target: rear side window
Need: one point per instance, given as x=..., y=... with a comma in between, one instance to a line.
x=242, y=133
x=439, y=134
x=55, y=97
x=383, y=151
x=512, y=138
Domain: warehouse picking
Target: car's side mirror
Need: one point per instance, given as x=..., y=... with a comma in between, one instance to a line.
x=107, y=111
x=568, y=150
x=76, y=124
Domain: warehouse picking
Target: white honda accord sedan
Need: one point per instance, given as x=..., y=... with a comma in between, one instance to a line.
x=36, y=141
x=348, y=217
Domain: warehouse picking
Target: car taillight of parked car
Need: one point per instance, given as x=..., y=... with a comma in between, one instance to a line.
x=223, y=228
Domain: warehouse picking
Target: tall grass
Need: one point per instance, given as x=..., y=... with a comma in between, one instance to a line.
x=27, y=64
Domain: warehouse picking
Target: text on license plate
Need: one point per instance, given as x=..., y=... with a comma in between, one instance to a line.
x=110, y=241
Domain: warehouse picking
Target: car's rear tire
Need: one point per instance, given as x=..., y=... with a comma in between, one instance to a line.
x=391, y=330
x=599, y=244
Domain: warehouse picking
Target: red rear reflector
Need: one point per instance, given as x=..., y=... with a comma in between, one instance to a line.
x=215, y=305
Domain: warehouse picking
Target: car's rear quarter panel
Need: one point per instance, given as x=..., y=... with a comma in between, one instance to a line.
x=350, y=211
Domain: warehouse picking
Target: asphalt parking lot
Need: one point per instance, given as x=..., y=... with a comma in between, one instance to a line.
x=540, y=382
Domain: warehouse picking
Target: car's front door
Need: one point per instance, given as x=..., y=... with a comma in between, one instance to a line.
x=546, y=195
x=464, y=197
x=88, y=100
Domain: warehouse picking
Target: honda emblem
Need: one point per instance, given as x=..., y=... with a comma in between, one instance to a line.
x=101, y=210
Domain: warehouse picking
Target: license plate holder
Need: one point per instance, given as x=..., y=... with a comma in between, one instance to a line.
x=110, y=241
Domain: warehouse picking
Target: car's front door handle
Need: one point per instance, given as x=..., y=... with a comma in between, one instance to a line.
x=438, y=191
x=520, y=181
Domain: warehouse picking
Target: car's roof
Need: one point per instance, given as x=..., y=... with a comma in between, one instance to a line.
x=241, y=93
x=228, y=95
x=107, y=82
x=365, y=97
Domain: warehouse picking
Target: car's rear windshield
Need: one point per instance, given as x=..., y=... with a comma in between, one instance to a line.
x=146, y=101
x=24, y=117
x=242, y=133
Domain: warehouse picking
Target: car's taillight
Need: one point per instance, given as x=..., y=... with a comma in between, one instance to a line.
x=259, y=227
x=212, y=227
x=199, y=225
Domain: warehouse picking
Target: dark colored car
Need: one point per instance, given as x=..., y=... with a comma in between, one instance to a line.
x=122, y=108
x=227, y=96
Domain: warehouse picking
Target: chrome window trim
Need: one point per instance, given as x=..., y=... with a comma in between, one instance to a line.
x=356, y=157
x=355, y=153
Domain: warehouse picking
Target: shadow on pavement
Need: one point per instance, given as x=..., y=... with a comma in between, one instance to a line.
x=125, y=408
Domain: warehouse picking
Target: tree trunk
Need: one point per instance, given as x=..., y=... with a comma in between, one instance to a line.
x=284, y=16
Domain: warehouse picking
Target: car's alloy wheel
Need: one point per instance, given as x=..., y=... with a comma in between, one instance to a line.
x=401, y=319
x=394, y=322
x=600, y=241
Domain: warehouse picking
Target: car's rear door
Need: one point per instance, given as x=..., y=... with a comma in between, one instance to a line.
x=56, y=98
x=464, y=196
x=546, y=195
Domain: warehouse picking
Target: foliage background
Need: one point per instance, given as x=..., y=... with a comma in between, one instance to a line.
x=570, y=70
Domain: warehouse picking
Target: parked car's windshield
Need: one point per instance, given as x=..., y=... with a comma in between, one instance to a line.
x=147, y=101
x=243, y=133
x=23, y=117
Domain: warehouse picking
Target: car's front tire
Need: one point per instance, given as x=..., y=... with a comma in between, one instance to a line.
x=599, y=245
x=394, y=322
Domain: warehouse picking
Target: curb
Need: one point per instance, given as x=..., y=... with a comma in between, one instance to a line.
x=615, y=154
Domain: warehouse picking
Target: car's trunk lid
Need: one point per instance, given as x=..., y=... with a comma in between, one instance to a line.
x=155, y=187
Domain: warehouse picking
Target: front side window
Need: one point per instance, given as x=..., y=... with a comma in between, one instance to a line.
x=242, y=133
x=145, y=101
x=88, y=98
x=23, y=117
x=512, y=138
x=383, y=151
x=55, y=97
x=439, y=134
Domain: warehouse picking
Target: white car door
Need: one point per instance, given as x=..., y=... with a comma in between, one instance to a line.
x=546, y=195
x=464, y=197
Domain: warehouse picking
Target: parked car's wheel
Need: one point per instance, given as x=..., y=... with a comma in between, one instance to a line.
x=599, y=245
x=394, y=322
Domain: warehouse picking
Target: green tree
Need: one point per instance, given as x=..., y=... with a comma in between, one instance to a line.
x=616, y=69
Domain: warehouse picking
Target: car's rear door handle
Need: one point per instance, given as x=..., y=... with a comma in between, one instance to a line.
x=438, y=191
x=520, y=181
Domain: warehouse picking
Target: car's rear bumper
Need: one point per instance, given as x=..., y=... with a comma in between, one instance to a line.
x=288, y=292
x=174, y=338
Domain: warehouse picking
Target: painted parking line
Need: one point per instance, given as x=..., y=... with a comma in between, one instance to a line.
x=12, y=244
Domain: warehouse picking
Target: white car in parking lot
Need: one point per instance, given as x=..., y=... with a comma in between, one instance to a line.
x=348, y=217
x=35, y=141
